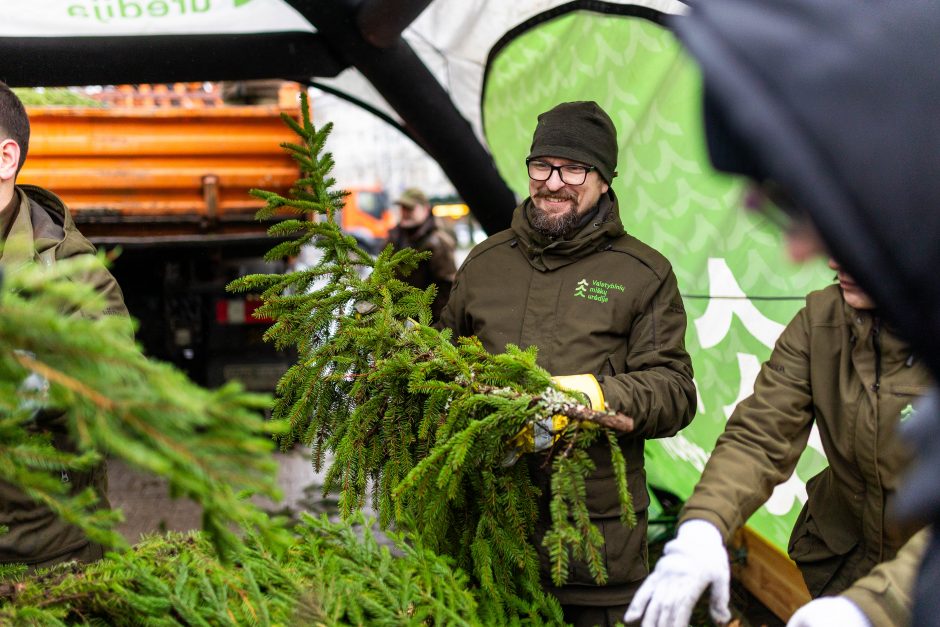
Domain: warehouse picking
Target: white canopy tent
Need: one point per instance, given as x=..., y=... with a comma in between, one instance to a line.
x=420, y=64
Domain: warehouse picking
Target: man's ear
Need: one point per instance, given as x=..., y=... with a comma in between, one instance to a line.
x=9, y=159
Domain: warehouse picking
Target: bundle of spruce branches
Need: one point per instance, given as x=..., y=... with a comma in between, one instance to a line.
x=415, y=418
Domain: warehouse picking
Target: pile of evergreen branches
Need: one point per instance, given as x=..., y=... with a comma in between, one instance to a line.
x=420, y=422
x=329, y=575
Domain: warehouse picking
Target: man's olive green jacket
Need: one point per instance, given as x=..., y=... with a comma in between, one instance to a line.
x=841, y=370
x=600, y=303
x=42, y=230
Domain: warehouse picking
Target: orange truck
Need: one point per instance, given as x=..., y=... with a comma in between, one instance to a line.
x=168, y=188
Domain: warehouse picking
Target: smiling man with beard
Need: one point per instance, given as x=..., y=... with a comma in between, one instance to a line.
x=605, y=313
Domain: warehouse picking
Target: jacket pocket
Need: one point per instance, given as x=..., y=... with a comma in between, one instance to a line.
x=913, y=391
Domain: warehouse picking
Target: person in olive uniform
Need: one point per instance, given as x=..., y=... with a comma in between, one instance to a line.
x=36, y=226
x=838, y=366
x=602, y=308
x=420, y=230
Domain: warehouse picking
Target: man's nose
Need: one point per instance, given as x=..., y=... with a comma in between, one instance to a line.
x=554, y=182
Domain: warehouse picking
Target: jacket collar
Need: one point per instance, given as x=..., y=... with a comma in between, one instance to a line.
x=545, y=253
x=863, y=321
x=38, y=227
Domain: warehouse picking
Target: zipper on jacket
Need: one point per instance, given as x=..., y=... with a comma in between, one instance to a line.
x=876, y=343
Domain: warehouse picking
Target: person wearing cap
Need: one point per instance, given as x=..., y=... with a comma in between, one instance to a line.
x=419, y=229
x=604, y=311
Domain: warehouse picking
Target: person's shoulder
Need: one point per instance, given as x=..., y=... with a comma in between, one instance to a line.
x=826, y=307
x=828, y=298
x=439, y=237
x=643, y=253
x=52, y=219
x=490, y=244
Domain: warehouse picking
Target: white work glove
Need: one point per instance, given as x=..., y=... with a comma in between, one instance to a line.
x=691, y=562
x=827, y=611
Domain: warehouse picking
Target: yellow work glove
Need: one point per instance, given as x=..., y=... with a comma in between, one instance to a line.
x=535, y=436
x=586, y=384
x=542, y=434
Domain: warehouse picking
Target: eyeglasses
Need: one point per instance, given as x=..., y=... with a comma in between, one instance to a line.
x=570, y=173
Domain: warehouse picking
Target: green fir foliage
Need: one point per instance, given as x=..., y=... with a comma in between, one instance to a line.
x=210, y=445
x=330, y=574
x=418, y=420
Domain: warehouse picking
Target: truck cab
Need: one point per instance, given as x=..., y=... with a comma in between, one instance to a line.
x=367, y=216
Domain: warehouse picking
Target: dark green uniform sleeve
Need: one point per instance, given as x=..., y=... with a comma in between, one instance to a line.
x=763, y=439
x=656, y=387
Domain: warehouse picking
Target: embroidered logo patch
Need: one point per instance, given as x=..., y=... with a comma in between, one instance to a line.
x=907, y=412
x=596, y=290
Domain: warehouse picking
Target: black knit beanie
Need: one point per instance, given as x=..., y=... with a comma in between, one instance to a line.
x=580, y=131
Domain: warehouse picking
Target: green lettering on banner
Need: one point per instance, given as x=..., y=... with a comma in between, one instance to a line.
x=157, y=8
x=124, y=6
x=106, y=11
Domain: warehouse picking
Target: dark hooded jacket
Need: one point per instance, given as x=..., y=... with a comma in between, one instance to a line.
x=598, y=302
x=42, y=230
x=837, y=102
x=439, y=269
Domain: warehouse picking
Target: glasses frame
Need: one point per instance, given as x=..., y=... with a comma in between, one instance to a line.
x=561, y=174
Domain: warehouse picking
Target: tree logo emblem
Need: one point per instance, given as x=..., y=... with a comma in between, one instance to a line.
x=581, y=288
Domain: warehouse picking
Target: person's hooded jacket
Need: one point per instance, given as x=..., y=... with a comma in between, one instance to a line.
x=598, y=302
x=836, y=102
x=439, y=269
x=42, y=230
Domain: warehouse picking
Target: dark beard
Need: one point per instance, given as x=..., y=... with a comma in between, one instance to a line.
x=553, y=225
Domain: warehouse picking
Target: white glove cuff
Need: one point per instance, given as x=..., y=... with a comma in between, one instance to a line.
x=699, y=532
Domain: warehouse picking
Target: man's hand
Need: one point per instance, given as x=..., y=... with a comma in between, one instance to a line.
x=827, y=611
x=534, y=437
x=691, y=562
x=542, y=434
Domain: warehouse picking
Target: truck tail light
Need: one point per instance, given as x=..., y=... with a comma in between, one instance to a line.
x=239, y=311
